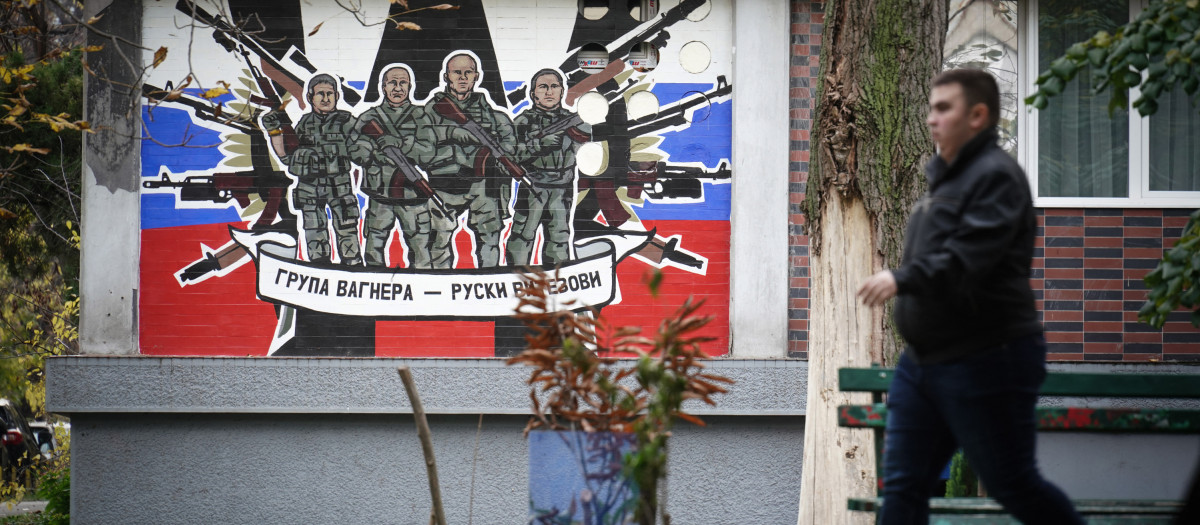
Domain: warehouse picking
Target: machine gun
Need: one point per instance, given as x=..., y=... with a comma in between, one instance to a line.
x=676, y=114
x=226, y=34
x=238, y=185
x=666, y=181
x=406, y=172
x=491, y=147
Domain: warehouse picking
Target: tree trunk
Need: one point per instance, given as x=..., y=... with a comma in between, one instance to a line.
x=869, y=147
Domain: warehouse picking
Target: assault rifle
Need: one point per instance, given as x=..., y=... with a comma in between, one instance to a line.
x=668, y=181
x=406, y=172
x=203, y=109
x=238, y=185
x=446, y=108
x=567, y=124
x=226, y=34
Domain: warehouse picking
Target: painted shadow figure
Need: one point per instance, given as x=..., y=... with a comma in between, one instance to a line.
x=321, y=164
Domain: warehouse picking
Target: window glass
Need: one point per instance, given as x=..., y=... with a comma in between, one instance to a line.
x=1082, y=150
x=984, y=35
x=1175, y=143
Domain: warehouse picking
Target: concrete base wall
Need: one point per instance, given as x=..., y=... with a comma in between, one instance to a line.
x=184, y=440
x=358, y=468
x=242, y=440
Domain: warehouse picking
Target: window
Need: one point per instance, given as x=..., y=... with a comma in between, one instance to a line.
x=1078, y=155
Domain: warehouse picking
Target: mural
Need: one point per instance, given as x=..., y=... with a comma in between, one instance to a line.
x=368, y=179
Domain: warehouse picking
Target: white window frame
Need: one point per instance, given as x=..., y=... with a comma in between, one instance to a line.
x=1139, y=192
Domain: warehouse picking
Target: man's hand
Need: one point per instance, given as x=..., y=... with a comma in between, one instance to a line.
x=878, y=288
x=273, y=120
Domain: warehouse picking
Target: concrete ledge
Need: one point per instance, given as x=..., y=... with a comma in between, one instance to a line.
x=124, y=384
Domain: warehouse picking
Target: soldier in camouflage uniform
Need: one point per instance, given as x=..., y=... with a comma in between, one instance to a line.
x=549, y=160
x=407, y=128
x=457, y=175
x=322, y=165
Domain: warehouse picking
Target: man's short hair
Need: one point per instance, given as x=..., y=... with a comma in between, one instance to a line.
x=978, y=86
x=544, y=72
x=323, y=78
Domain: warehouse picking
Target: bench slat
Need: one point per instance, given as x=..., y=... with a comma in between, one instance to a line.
x=1087, y=507
x=1177, y=421
x=1057, y=383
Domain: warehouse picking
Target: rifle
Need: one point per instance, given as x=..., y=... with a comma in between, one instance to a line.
x=676, y=114
x=226, y=34
x=203, y=109
x=582, y=81
x=681, y=182
x=567, y=124
x=446, y=108
x=404, y=168
x=238, y=185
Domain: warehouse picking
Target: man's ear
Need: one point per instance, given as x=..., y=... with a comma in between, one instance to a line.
x=977, y=117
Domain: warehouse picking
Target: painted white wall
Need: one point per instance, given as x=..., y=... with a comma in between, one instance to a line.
x=759, y=240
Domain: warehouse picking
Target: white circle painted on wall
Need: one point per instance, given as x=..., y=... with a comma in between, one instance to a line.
x=695, y=57
x=592, y=158
x=642, y=104
x=592, y=107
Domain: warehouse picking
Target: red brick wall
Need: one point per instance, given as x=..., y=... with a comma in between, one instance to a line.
x=1087, y=270
x=807, y=19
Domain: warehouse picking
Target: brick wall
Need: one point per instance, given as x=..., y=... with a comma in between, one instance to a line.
x=1088, y=266
x=807, y=20
x=1088, y=270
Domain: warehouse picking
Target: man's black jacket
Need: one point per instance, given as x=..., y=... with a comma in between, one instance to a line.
x=963, y=285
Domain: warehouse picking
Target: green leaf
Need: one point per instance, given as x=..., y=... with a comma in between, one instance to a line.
x=1077, y=51
x=1137, y=42
x=1052, y=87
x=1132, y=78
x=1139, y=61
x=1063, y=69
x=1190, y=85
x=1157, y=69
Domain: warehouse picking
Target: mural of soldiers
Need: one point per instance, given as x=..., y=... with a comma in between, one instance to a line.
x=391, y=196
x=321, y=163
x=548, y=136
x=464, y=173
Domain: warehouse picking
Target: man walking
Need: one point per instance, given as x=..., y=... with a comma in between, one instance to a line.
x=322, y=165
x=975, y=359
x=391, y=197
x=463, y=173
x=548, y=136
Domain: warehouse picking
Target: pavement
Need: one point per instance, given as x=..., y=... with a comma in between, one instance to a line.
x=24, y=507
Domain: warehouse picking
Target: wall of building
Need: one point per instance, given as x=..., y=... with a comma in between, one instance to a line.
x=647, y=185
x=1087, y=268
x=269, y=440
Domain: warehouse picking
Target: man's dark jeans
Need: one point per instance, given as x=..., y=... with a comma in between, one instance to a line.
x=984, y=404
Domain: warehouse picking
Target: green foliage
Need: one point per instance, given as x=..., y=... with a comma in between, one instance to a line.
x=962, y=481
x=1176, y=280
x=55, y=488
x=1155, y=52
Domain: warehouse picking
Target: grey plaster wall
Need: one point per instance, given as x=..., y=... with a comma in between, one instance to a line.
x=241, y=440
x=110, y=233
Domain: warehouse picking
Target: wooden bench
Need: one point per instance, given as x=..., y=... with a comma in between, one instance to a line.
x=945, y=511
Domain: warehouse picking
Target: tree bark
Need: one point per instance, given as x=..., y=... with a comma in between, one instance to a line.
x=869, y=145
